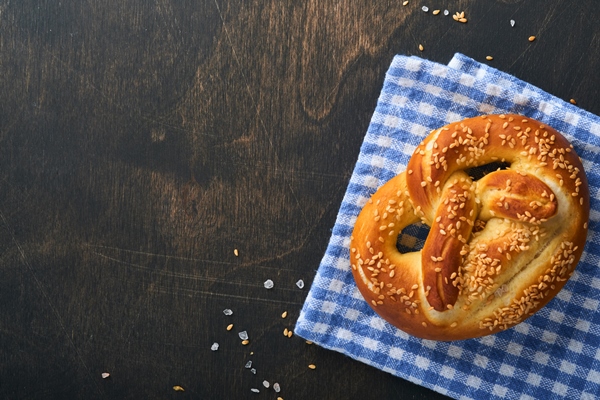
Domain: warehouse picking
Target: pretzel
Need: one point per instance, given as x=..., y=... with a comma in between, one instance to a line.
x=498, y=249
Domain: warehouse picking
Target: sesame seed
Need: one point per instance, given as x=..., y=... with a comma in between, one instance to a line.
x=235, y=252
x=312, y=366
x=532, y=38
x=229, y=327
x=572, y=101
x=489, y=58
x=421, y=48
x=284, y=314
x=405, y=3
x=436, y=12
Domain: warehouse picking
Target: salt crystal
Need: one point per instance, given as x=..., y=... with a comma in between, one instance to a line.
x=215, y=346
x=105, y=375
x=300, y=283
x=243, y=335
x=255, y=390
x=253, y=370
x=269, y=284
x=446, y=12
x=227, y=311
x=425, y=8
x=276, y=387
x=266, y=384
x=512, y=22
x=248, y=364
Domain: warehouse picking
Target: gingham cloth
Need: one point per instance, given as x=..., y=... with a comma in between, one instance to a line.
x=554, y=354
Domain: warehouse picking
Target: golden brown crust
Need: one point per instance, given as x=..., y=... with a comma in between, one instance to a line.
x=499, y=248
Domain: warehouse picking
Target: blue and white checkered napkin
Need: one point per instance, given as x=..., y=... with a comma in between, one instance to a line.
x=555, y=353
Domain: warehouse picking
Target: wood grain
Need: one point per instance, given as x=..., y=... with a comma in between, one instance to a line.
x=142, y=142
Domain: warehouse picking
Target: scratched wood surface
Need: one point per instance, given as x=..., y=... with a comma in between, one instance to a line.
x=141, y=142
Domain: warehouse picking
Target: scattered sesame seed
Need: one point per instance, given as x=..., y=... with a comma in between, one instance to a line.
x=309, y=342
x=215, y=346
x=178, y=388
x=572, y=101
x=531, y=38
x=489, y=58
x=421, y=48
x=229, y=327
x=436, y=12
x=312, y=366
x=245, y=342
x=269, y=284
x=236, y=252
x=405, y=3
x=284, y=314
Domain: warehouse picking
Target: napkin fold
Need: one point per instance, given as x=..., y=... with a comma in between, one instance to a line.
x=555, y=353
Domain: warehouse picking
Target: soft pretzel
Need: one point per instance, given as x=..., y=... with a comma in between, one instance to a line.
x=498, y=249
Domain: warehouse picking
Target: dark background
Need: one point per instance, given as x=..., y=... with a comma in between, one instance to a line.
x=142, y=141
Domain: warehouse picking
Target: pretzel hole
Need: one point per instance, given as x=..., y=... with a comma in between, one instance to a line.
x=477, y=173
x=412, y=238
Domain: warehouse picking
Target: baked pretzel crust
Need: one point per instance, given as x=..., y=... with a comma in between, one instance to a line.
x=499, y=247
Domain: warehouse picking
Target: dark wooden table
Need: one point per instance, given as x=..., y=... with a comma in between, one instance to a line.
x=143, y=142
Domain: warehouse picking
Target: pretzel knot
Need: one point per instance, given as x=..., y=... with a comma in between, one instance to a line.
x=499, y=247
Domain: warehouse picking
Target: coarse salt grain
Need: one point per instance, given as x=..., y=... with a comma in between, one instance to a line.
x=512, y=22
x=253, y=370
x=105, y=375
x=269, y=284
x=227, y=311
x=215, y=346
x=248, y=364
x=255, y=390
x=300, y=284
x=243, y=335
x=266, y=384
x=276, y=387
x=446, y=12
x=425, y=8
